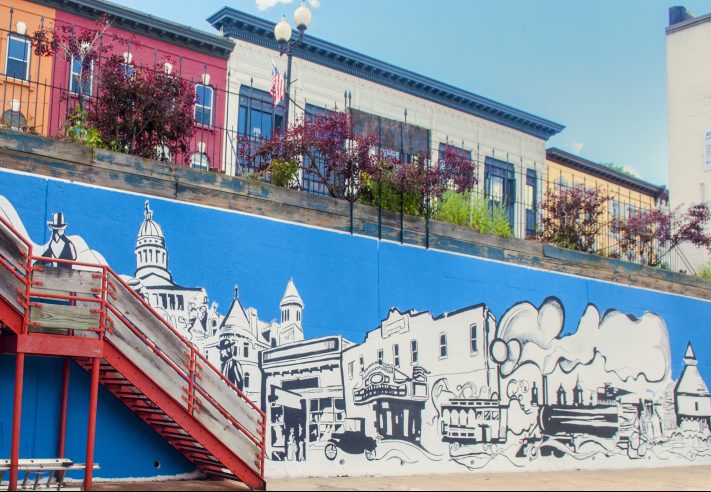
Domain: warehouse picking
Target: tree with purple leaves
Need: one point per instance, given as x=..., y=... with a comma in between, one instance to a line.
x=649, y=236
x=144, y=111
x=353, y=166
x=572, y=217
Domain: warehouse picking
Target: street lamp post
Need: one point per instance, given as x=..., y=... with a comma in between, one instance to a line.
x=282, y=33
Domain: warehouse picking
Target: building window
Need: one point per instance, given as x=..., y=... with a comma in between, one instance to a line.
x=14, y=118
x=531, y=203
x=396, y=355
x=350, y=370
x=500, y=186
x=473, y=339
x=696, y=405
x=380, y=356
x=246, y=349
x=203, y=105
x=17, y=64
x=257, y=114
x=413, y=351
x=81, y=77
x=362, y=364
x=443, y=346
x=246, y=380
x=314, y=163
x=200, y=160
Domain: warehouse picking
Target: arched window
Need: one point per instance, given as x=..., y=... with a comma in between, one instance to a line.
x=246, y=380
x=14, y=119
x=200, y=160
x=204, y=104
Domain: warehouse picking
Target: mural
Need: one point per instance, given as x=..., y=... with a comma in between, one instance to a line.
x=460, y=390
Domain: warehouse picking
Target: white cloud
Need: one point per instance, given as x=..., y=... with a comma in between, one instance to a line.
x=632, y=171
x=578, y=147
x=267, y=4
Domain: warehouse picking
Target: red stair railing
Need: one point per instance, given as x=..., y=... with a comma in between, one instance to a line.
x=196, y=374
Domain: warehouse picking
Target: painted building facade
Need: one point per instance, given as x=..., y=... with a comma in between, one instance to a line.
x=411, y=113
x=688, y=80
x=144, y=42
x=25, y=74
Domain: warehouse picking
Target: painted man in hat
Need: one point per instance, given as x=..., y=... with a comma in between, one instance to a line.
x=60, y=246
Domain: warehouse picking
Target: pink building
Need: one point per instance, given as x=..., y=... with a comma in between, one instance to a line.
x=144, y=41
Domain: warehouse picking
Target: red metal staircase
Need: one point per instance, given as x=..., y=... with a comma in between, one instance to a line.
x=86, y=312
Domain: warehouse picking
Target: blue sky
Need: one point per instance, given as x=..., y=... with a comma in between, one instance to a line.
x=598, y=67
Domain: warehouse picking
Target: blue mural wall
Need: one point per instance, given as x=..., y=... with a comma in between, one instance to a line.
x=346, y=286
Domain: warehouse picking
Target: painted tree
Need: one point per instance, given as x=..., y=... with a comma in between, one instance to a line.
x=144, y=110
x=573, y=217
x=650, y=235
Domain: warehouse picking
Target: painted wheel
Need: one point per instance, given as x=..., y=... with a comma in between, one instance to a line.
x=370, y=455
x=331, y=451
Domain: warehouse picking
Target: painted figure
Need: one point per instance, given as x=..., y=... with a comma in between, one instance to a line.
x=60, y=246
x=229, y=365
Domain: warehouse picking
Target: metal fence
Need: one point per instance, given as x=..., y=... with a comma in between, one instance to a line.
x=35, y=99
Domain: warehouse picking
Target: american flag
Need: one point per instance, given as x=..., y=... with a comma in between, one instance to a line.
x=277, y=90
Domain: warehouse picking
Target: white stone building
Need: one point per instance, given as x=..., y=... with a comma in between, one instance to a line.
x=689, y=99
x=410, y=112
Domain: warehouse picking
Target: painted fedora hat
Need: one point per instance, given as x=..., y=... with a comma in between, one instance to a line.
x=57, y=221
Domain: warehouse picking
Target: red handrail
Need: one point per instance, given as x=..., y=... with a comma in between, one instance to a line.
x=102, y=299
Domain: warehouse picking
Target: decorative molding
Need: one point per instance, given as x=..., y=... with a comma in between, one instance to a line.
x=570, y=160
x=251, y=29
x=147, y=25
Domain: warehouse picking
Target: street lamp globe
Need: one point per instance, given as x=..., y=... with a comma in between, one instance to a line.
x=282, y=31
x=302, y=17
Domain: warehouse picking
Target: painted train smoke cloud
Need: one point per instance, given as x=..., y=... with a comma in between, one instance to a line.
x=535, y=336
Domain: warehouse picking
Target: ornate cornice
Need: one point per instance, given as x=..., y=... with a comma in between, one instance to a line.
x=147, y=25
x=251, y=29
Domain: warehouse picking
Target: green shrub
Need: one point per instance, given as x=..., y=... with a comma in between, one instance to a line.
x=475, y=212
x=390, y=197
x=283, y=173
x=705, y=271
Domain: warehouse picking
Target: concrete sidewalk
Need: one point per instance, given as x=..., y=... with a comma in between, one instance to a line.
x=692, y=478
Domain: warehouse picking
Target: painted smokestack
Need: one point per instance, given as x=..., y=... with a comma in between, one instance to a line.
x=545, y=389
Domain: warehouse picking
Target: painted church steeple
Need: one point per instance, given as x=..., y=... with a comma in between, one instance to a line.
x=291, y=307
x=151, y=253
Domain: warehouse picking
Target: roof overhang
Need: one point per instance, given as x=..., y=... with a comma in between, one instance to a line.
x=251, y=29
x=600, y=171
x=147, y=25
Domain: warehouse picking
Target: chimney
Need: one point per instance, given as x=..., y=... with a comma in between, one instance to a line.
x=545, y=389
x=678, y=15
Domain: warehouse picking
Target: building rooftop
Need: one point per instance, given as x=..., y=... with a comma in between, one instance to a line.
x=680, y=18
x=249, y=28
x=146, y=24
x=604, y=172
